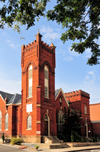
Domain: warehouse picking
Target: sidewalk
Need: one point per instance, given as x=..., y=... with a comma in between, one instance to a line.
x=70, y=149
x=31, y=148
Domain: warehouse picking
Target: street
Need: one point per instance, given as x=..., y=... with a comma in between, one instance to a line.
x=4, y=148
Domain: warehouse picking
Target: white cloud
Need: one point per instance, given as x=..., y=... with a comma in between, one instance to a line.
x=92, y=74
x=12, y=44
x=90, y=78
x=49, y=33
x=88, y=53
x=45, y=29
x=68, y=59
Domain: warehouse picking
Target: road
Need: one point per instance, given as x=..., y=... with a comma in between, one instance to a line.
x=4, y=148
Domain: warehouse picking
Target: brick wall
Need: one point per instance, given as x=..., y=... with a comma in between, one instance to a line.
x=79, y=99
x=38, y=54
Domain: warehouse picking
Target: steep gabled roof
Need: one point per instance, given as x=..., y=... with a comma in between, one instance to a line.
x=57, y=93
x=15, y=99
x=5, y=94
x=11, y=98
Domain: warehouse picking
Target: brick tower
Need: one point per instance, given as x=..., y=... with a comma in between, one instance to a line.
x=38, y=90
x=79, y=100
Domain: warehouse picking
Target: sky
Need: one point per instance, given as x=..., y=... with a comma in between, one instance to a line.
x=71, y=73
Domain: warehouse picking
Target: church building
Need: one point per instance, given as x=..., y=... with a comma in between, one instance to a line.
x=34, y=114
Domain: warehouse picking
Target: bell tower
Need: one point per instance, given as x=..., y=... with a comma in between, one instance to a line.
x=38, y=90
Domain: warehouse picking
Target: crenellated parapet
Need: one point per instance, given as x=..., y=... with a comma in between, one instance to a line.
x=47, y=47
x=77, y=93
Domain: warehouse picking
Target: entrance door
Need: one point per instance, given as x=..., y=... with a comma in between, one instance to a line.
x=46, y=128
x=46, y=125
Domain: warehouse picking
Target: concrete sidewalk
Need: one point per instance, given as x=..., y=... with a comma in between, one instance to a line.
x=70, y=149
x=31, y=148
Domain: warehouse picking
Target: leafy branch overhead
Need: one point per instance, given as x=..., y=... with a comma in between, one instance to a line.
x=79, y=18
x=23, y=12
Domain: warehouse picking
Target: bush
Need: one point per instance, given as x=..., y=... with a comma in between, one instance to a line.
x=72, y=136
x=15, y=140
x=36, y=147
x=3, y=137
x=94, y=139
x=82, y=141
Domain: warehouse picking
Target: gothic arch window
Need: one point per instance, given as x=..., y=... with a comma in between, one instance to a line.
x=30, y=81
x=0, y=120
x=85, y=109
x=61, y=120
x=29, y=122
x=6, y=121
x=46, y=81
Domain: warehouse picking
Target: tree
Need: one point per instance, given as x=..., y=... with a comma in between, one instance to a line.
x=21, y=12
x=71, y=127
x=79, y=18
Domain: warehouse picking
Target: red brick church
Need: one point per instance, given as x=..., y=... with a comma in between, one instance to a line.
x=35, y=112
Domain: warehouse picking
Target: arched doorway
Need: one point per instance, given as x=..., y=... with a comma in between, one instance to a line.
x=46, y=125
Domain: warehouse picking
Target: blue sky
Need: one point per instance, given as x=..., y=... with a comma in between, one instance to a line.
x=71, y=71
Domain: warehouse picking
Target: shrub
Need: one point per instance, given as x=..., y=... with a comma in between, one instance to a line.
x=15, y=140
x=94, y=139
x=36, y=147
x=3, y=137
x=72, y=136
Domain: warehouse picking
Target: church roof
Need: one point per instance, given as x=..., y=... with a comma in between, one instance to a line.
x=57, y=92
x=11, y=98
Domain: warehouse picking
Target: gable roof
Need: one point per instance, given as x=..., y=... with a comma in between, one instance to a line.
x=11, y=98
x=57, y=93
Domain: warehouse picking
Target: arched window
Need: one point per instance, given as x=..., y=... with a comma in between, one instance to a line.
x=85, y=109
x=6, y=121
x=61, y=120
x=29, y=122
x=46, y=82
x=30, y=81
x=0, y=120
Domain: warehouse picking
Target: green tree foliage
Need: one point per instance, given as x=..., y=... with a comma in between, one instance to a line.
x=79, y=18
x=23, y=12
x=71, y=128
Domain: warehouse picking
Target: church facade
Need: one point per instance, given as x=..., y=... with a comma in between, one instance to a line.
x=34, y=113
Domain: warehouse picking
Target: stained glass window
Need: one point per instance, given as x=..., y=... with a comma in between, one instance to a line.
x=61, y=120
x=46, y=82
x=6, y=121
x=30, y=81
x=29, y=122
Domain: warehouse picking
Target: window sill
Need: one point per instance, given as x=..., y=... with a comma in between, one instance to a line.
x=47, y=98
x=6, y=129
x=29, y=97
x=29, y=129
